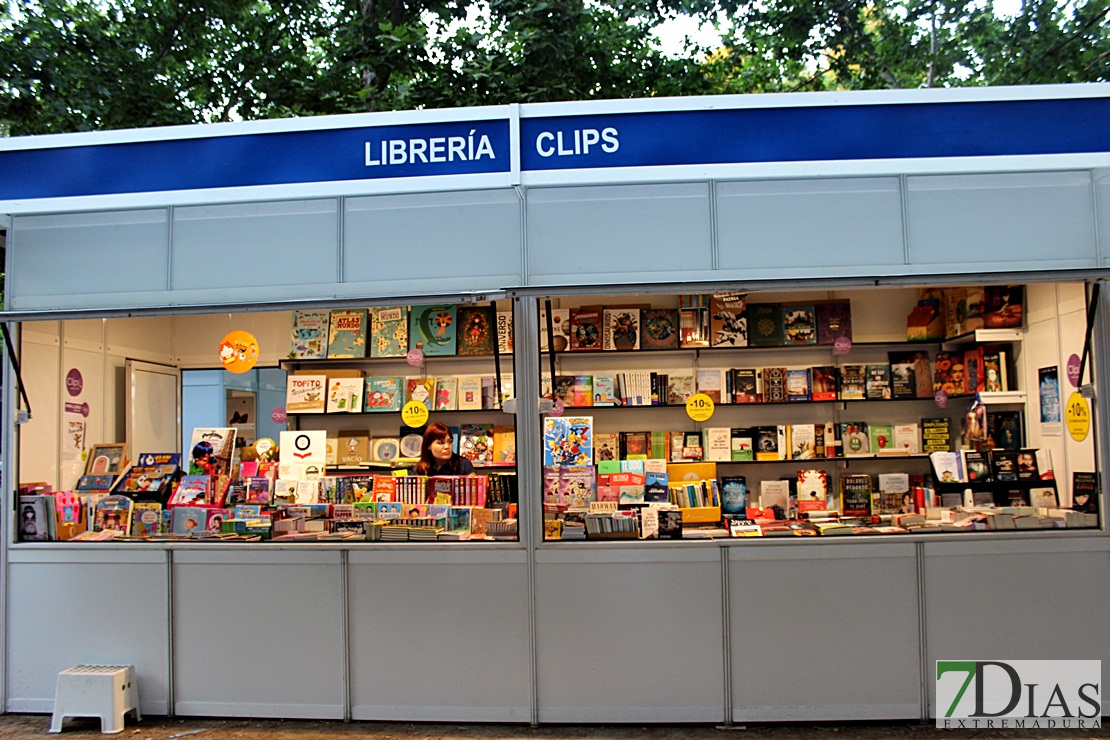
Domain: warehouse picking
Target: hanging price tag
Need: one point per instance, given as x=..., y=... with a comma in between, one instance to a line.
x=699, y=407
x=414, y=414
x=1077, y=415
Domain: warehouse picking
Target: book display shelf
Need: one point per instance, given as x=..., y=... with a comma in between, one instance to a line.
x=736, y=415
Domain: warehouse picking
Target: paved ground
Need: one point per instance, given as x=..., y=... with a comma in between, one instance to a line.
x=164, y=728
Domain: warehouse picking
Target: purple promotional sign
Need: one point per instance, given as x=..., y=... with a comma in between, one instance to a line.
x=74, y=382
x=556, y=408
x=77, y=408
x=842, y=345
x=415, y=357
x=278, y=415
x=1073, y=370
x=941, y=399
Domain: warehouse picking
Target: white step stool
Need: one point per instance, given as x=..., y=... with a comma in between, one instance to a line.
x=105, y=691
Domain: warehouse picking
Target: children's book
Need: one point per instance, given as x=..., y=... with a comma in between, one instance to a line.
x=585, y=330
x=212, y=451
x=477, y=330
x=433, y=329
x=150, y=482
x=146, y=519
x=34, y=517
x=679, y=389
x=389, y=331
x=568, y=441
x=420, y=389
x=604, y=389
x=347, y=333
x=306, y=394
x=469, y=393
x=560, y=329
x=189, y=520
x=309, y=339
x=193, y=490
x=504, y=444
x=446, y=398
x=505, y=332
x=658, y=328
x=345, y=395
x=113, y=513
x=476, y=443
x=620, y=328
x=384, y=393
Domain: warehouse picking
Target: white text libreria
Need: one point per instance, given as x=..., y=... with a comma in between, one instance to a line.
x=1028, y=723
x=434, y=149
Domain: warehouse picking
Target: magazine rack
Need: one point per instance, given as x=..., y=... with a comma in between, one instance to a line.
x=105, y=691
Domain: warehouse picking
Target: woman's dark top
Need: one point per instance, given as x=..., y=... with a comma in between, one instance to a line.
x=457, y=465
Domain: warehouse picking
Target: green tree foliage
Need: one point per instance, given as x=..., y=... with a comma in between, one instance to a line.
x=72, y=65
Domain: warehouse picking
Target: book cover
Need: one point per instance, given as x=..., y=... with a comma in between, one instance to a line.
x=564, y=389
x=505, y=332
x=765, y=325
x=948, y=373
x=882, y=439
x=935, y=435
x=659, y=328
x=35, y=516
x=504, y=444
x=799, y=325
x=385, y=449
x=567, y=441
x=345, y=395
x=634, y=444
x=878, y=382
x=853, y=382
x=803, y=441
x=679, y=389
x=728, y=320
x=693, y=326
x=894, y=494
x=113, y=513
x=977, y=465
x=994, y=370
x=605, y=390
x=974, y=377
x=389, y=331
x=477, y=330
x=560, y=327
x=903, y=374
x=347, y=333
x=775, y=495
x=834, y=321
x=711, y=382
x=855, y=494
x=823, y=381
x=1004, y=465
x=432, y=329
x=746, y=383
x=606, y=447
x=813, y=490
x=585, y=330
x=1084, y=492
x=582, y=391
x=420, y=389
x=741, y=445
x=1005, y=429
x=734, y=494
x=1003, y=306
x=470, y=393
x=577, y=486
x=212, y=451
x=476, y=443
x=352, y=447
x=146, y=519
x=774, y=385
x=1027, y=465
x=306, y=394
x=620, y=328
x=907, y=438
x=767, y=443
x=717, y=444
x=446, y=398
x=384, y=393
x=189, y=520
x=655, y=487
x=855, y=438
x=948, y=466
x=309, y=340
x=798, y=384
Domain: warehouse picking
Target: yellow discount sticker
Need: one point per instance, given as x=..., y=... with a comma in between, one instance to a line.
x=414, y=414
x=699, y=407
x=1077, y=415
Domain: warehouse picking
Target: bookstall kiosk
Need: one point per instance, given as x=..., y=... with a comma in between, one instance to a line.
x=110, y=234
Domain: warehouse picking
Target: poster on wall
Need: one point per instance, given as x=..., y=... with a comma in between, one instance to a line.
x=1049, y=388
x=75, y=414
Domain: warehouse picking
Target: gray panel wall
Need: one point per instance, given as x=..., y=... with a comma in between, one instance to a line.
x=1041, y=220
x=256, y=244
x=1102, y=213
x=86, y=259
x=459, y=241
x=606, y=234
x=774, y=226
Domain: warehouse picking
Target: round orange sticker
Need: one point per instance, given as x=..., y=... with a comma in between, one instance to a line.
x=239, y=351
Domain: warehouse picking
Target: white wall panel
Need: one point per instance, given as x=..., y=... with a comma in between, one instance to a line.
x=1019, y=221
x=824, y=632
x=258, y=633
x=791, y=226
x=440, y=636
x=76, y=605
x=283, y=243
x=460, y=241
x=630, y=634
x=86, y=259
x=1033, y=599
x=1102, y=204
x=38, y=438
x=607, y=234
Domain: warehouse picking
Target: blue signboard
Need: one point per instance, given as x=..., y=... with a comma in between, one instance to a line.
x=372, y=152
x=799, y=134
